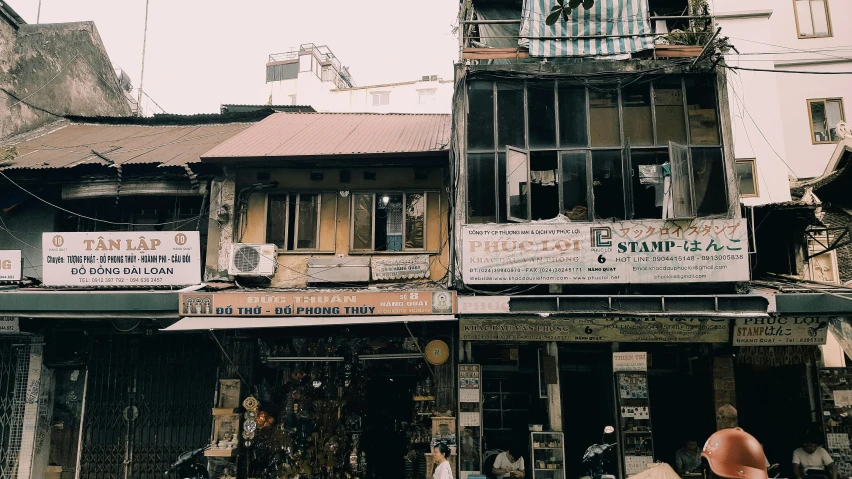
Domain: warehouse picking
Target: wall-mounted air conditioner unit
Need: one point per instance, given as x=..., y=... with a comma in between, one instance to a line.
x=253, y=259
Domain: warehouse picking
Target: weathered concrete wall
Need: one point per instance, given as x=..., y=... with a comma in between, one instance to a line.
x=334, y=238
x=56, y=69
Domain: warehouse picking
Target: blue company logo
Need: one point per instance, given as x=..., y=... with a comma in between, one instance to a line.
x=601, y=236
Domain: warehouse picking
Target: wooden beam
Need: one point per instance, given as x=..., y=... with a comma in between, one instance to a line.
x=494, y=53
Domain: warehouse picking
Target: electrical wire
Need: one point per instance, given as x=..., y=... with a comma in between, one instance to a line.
x=88, y=217
x=796, y=72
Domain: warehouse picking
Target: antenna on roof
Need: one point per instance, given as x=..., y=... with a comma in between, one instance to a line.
x=142, y=74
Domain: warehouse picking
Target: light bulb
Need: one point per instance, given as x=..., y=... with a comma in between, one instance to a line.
x=385, y=199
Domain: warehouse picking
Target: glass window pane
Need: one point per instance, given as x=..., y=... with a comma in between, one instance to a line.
x=388, y=230
x=542, y=114
x=543, y=187
x=572, y=117
x=362, y=221
x=415, y=220
x=603, y=113
x=745, y=176
x=636, y=105
x=818, y=122
x=574, y=189
x=680, y=191
x=668, y=106
x=481, y=198
x=701, y=107
x=480, y=118
x=648, y=183
x=276, y=220
x=834, y=115
x=308, y=209
x=820, y=15
x=510, y=116
x=708, y=180
x=803, y=16
x=608, y=184
x=516, y=183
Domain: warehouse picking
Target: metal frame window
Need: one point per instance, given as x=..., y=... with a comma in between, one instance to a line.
x=559, y=147
x=381, y=98
x=389, y=221
x=823, y=115
x=812, y=18
x=426, y=96
x=747, y=178
x=288, y=220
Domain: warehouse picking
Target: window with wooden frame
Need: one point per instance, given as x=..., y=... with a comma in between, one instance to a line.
x=825, y=114
x=538, y=150
x=812, y=18
x=293, y=221
x=747, y=178
x=389, y=221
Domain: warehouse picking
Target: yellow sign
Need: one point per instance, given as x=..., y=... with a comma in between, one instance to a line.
x=437, y=352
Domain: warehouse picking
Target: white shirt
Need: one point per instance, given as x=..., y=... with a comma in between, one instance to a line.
x=818, y=460
x=502, y=462
x=443, y=471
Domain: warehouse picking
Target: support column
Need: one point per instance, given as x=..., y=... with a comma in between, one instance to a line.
x=220, y=229
x=30, y=422
x=724, y=392
x=554, y=392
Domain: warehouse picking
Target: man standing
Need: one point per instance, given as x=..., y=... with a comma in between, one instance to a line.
x=687, y=458
x=811, y=460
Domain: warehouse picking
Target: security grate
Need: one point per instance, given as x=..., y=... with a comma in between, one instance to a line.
x=14, y=370
x=148, y=400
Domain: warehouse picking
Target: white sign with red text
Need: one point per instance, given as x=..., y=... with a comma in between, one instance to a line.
x=633, y=362
x=639, y=251
x=138, y=258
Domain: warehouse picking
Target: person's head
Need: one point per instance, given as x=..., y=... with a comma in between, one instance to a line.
x=734, y=454
x=441, y=452
x=726, y=417
x=810, y=444
x=691, y=445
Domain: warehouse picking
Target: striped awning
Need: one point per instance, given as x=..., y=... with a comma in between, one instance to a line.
x=623, y=26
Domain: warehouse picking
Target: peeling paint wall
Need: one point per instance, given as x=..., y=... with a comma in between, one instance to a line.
x=55, y=69
x=334, y=237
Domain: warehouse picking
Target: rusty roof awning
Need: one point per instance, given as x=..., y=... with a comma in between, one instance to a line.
x=332, y=135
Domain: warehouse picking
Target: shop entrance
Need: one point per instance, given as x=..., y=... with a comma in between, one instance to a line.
x=773, y=405
x=585, y=375
x=389, y=406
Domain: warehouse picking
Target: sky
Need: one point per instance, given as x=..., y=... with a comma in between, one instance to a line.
x=203, y=54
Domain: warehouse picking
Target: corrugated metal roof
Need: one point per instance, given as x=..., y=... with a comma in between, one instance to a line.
x=71, y=144
x=321, y=134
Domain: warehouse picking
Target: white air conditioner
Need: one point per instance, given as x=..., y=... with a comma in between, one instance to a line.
x=253, y=259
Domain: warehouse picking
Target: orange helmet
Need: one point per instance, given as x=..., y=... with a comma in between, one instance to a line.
x=735, y=454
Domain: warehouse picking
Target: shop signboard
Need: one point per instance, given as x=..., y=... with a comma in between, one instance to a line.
x=632, y=362
x=781, y=331
x=10, y=265
x=137, y=258
x=641, y=251
x=9, y=325
x=400, y=267
x=667, y=329
x=300, y=304
x=483, y=304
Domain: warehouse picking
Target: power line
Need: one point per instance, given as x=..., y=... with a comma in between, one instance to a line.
x=800, y=72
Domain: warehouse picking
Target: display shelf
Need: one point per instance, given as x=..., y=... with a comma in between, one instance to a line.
x=634, y=412
x=548, y=454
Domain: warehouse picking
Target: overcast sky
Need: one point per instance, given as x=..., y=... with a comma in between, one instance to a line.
x=201, y=54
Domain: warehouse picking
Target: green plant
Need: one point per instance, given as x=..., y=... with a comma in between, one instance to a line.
x=563, y=8
x=700, y=31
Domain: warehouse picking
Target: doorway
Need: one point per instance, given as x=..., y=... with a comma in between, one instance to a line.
x=389, y=405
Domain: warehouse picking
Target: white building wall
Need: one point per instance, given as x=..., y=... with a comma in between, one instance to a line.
x=765, y=33
x=753, y=97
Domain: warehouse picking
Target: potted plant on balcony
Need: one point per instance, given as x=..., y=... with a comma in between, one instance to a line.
x=691, y=41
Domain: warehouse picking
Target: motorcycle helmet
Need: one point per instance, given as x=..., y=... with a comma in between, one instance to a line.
x=735, y=454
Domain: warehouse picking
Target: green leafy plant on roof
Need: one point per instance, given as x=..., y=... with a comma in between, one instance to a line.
x=563, y=9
